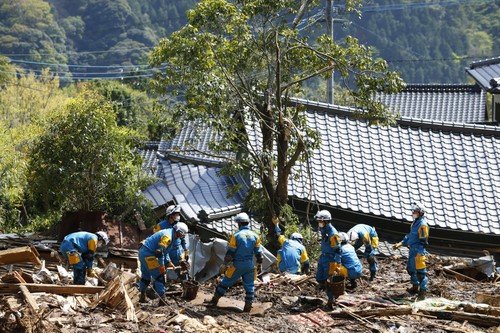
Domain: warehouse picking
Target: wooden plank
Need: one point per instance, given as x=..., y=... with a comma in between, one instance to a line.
x=19, y=255
x=473, y=318
x=29, y=298
x=50, y=288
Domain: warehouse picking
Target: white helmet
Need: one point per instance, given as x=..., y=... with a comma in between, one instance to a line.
x=242, y=218
x=173, y=209
x=352, y=236
x=297, y=236
x=343, y=237
x=181, y=228
x=323, y=215
x=417, y=206
x=104, y=236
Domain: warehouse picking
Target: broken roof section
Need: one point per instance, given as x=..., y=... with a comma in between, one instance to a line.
x=450, y=103
x=486, y=73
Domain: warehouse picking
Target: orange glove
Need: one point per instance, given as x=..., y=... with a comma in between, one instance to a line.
x=162, y=269
x=91, y=272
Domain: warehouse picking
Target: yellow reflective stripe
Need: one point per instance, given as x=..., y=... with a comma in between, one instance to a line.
x=304, y=257
x=281, y=240
x=257, y=242
x=423, y=231
x=92, y=245
x=343, y=271
x=366, y=239
x=375, y=242
x=165, y=241
x=157, y=228
x=232, y=242
x=420, y=261
x=278, y=259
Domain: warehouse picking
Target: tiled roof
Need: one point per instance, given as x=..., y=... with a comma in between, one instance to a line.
x=196, y=188
x=486, y=73
x=450, y=103
x=192, y=145
x=150, y=158
x=452, y=168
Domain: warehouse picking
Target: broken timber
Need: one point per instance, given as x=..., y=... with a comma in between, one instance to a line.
x=49, y=288
x=399, y=311
x=20, y=255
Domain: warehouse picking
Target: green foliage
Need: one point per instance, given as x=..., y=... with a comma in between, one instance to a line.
x=84, y=161
x=25, y=104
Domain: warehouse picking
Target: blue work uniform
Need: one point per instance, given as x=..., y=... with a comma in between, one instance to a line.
x=350, y=262
x=368, y=237
x=178, y=249
x=330, y=255
x=242, y=246
x=154, y=253
x=292, y=257
x=79, y=249
x=417, y=240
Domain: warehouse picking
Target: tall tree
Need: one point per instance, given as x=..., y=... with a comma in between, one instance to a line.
x=238, y=63
x=84, y=161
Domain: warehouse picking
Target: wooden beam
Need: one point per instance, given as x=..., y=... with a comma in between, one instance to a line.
x=11, y=288
x=473, y=318
x=20, y=255
x=29, y=298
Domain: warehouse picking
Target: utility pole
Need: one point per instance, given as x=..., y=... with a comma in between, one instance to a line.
x=329, y=31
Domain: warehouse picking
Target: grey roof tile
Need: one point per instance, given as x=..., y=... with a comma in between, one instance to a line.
x=451, y=103
x=459, y=180
x=195, y=188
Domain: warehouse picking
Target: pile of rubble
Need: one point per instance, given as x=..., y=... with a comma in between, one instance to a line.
x=37, y=296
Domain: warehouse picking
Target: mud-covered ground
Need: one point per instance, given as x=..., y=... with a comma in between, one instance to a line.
x=287, y=300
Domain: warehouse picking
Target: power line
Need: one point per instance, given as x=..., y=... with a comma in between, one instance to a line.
x=384, y=8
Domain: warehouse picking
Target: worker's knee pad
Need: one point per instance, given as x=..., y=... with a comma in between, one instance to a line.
x=371, y=261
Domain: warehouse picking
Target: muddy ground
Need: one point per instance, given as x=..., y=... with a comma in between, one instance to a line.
x=287, y=300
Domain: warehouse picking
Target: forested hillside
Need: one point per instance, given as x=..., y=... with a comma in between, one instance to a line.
x=429, y=41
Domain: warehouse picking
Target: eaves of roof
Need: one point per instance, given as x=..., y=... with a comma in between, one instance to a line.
x=439, y=102
x=486, y=73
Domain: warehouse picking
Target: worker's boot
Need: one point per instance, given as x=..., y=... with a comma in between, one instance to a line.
x=353, y=284
x=247, y=307
x=421, y=295
x=329, y=305
x=142, y=298
x=215, y=299
x=372, y=275
x=413, y=290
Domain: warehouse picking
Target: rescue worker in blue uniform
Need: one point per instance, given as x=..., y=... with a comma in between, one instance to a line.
x=292, y=257
x=351, y=266
x=417, y=240
x=79, y=250
x=363, y=234
x=329, y=262
x=154, y=258
x=179, y=254
x=238, y=262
